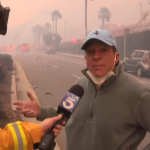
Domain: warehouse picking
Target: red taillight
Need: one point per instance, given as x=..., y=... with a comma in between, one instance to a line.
x=146, y=61
x=22, y=48
x=75, y=41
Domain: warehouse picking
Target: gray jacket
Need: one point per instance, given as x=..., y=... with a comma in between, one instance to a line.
x=114, y=118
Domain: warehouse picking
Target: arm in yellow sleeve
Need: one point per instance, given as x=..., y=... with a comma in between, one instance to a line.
x=20, y=136
x=25, y=135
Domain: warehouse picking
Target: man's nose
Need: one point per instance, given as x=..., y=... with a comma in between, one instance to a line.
x=97, y=56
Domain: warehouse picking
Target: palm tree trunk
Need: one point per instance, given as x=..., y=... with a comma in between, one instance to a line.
x=53, y=26
x=56, y=25
x=36, y=41
x=86, y=17
x=34, y=37
x=39, y=41
x=102, y=23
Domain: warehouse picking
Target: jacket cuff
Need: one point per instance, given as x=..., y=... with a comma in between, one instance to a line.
x=42, y=116
x=47, y=113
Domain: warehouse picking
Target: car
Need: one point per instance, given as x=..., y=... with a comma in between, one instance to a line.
x=139, y=62
x=24, y=47
x=1, y=48
x=10, y=48
x=50, y=50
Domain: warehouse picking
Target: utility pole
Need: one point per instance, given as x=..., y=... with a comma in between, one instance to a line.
x=86, y=17
x=86, y=5
x=141, y=11
x=126, y=32
x=65, y=30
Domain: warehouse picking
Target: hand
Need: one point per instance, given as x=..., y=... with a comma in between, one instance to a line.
x=47, y=124
x=30, y=108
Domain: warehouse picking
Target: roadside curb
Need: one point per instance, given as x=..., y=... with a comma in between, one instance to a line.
x=72, y=55
x=13, y=88
x=22, y=86
x=22, y=76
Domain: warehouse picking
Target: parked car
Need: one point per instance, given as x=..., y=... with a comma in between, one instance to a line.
x=138, y=61
x=25, y=47
x=50, y=50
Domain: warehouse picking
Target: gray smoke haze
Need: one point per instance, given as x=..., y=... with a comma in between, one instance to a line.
x=26, y=13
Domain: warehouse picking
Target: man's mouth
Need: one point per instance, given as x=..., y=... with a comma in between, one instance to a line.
x=98, y=66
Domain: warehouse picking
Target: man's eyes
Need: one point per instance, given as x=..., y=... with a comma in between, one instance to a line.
x=104, y=50
x=90, y=52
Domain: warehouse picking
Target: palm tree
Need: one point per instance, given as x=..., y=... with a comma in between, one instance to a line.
x=86, y=1
x=34, y=33
x=48, y=27
x=38, y=32
x=56, y=15
x=104, y=14
x=53, y=24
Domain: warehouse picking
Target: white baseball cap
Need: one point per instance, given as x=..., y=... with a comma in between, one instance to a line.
x=102, y=35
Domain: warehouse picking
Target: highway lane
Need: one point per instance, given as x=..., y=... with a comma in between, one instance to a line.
x=55, y=74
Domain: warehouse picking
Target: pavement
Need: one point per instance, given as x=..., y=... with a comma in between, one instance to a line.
x=51, y=76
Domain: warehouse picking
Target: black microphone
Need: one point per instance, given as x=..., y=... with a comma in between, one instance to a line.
x=66, y=108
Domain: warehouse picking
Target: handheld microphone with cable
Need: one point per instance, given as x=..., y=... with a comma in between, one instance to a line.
x=66, y=108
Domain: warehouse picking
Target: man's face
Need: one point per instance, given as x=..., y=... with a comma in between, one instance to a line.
x=100, y=58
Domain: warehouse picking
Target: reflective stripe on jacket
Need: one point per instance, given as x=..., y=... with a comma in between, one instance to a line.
x=20, y=136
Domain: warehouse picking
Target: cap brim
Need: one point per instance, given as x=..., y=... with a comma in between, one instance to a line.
x=106, y=42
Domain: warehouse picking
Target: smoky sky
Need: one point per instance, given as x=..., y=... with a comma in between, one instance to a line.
x=122, y=12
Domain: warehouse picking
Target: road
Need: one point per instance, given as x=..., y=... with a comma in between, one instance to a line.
x=55, y=74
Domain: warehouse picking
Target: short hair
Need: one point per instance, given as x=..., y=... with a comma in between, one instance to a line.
x=114, y=49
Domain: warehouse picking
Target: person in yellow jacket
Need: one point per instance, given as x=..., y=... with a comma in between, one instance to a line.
x=23, y=135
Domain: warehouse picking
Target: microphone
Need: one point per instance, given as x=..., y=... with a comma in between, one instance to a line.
x=66, y=108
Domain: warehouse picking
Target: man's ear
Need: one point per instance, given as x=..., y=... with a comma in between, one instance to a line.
x=117, y=55
x=85, y=54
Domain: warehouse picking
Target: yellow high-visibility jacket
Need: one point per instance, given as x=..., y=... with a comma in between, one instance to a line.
x=20, y=136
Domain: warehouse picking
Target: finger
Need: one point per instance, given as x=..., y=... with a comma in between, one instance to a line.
x=29, y=114
x=57, y=118
x=30, y=96
x=25, y=111
x=59, y=127
x=19, y=108
x=63, y=123
x=18, y=103
x=56, y=131
x=55, y=134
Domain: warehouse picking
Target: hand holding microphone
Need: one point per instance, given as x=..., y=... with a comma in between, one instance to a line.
x=66, y=108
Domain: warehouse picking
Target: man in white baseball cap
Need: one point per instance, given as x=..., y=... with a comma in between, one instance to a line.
x=113, y=113
x=101, y=55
